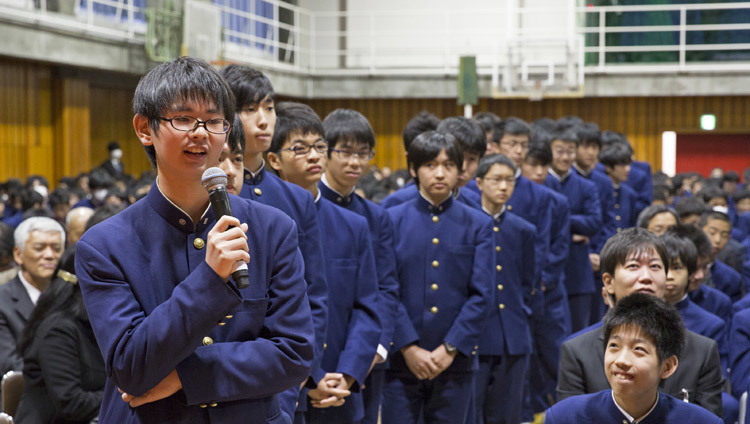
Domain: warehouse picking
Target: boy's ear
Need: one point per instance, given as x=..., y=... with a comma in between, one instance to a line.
x=479, y=183
x=669, y=366
x=609, y=283
x=412, y=172
x=143, y=130
x=274, y=160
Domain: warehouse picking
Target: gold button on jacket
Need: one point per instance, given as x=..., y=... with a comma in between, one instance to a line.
x=207, y=341
x=199, y=243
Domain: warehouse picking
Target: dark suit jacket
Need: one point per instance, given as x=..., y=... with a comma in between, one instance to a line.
x=63, y=373
x=699, y=370
x=15, y=308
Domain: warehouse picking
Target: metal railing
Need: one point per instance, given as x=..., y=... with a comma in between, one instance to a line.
x=125, y=23
x=392, y=41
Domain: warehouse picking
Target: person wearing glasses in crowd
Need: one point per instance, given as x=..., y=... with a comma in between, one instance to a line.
x=298, y=153
x=351, y=141
x=180, y=341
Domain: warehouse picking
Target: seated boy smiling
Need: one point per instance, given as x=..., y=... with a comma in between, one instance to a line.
x=643, y=339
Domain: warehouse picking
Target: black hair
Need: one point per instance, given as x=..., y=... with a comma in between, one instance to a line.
x=180, y=80
x=428, y=145
x=650, y=212
x=249, y=85
x=293, y=117
x=655, y=317
x=31, y=198
x=59, y=196
x=661, y=192
x=68, y=182
x=6, y=245
x=569, y=122
x=347, y=125
x=565, y=135
x=513, y=126
x=33, y=178
x=61, y=298
x=99, y=178
x=37, y=212
x=547, y=124
x=711, y=214
x=539, y=153
x=424, y=121
x=687, y=206
x=236, y=138
x=699, y=239
x=731, y=176
x=741, y=194
x=613, y=137
x=615, y=154
x=488, y=121
x=589, y=133
x=103, y=212
x=486, y=163
x=710, y=192
x=467, y=132
x=630, y=242
x=681, y=248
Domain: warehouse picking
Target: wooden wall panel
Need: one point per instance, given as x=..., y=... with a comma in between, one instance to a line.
x=112, y=119
x=642, y=119
x=73, y=127
x=26, y=125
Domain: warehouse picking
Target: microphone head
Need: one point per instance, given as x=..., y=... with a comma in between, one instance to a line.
x=214, y=178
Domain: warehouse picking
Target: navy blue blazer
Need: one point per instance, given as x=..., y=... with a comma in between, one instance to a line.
x=739, y=352
x=585, y=219
x=297, y=203
x=507, y=327
x=641, y=181
x=533, y=203
x=353, y=329
x=727, y=280
x=381, y=236
x=625, y=207
x=713, y=301
x=700, y=321
x=155, y=303
x=404, y=194
x=606, y=203
x=600, y=407
x=559, y=249
x=444, y=264
x=741, y=304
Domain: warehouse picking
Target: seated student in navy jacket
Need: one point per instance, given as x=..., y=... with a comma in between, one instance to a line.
x=683, y=258
x=255, y=107
x=473, y=142
x=298, y=154
x=177, y=336
x=739, y=352
x=444, y=264
x=351, y=141
x=717, y=226
x=585, y=223
x=616, y=160
x=422, y=122
x=552, y=325
x=505, y=343
x=706, y=297
x=643, y=339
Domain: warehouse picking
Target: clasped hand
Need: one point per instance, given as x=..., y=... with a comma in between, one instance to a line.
x=427, y=365
x=332, y=390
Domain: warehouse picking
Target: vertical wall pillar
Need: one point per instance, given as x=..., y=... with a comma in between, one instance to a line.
x=72, y=127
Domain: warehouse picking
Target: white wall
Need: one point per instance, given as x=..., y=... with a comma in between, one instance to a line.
x=434, y=33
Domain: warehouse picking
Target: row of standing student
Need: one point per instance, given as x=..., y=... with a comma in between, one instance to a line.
x=403, y=305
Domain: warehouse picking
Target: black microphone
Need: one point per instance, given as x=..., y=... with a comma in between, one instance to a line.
x=215, y=182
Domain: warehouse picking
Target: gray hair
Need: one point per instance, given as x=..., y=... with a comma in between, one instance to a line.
x=37, y=223
x=80, y=211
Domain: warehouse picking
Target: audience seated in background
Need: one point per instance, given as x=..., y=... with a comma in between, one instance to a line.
x=63, y=369
x=38, y=244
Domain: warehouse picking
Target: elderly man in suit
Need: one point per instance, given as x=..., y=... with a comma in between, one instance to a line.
x=636, y=261
x=39, y=242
